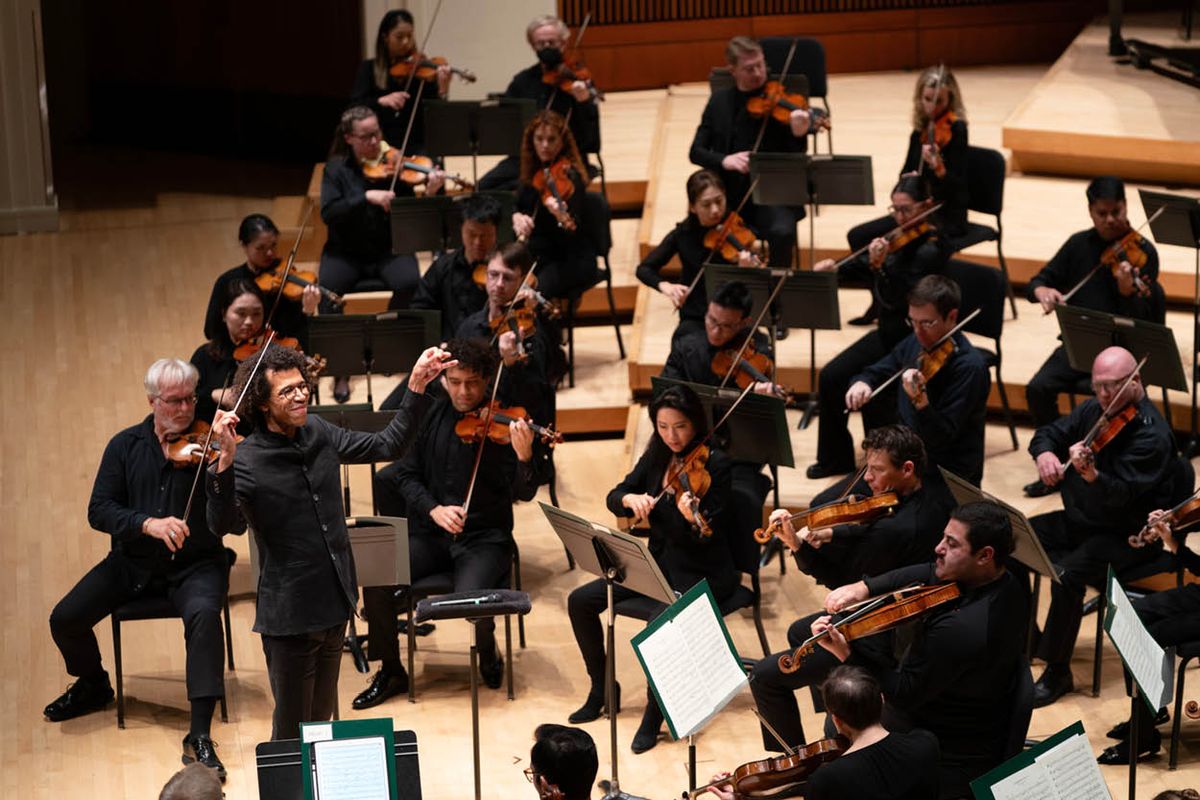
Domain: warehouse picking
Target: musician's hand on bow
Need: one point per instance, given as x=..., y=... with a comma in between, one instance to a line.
x=640, y=504
x=846, y=596
x=877, y=252
x=1084, y=461
x=171, y=531
x=737, y=162
x=914, y=386
x=1125, y=279
x=521, y=436
x=449, y=518
x=785, y=530
x=833, y=641
x=857, y=395
x=723, y=788
x=825, y=265
x=675, y=292
x=522, y=224
x=429, y=365
x=1048, y=297
x=1050, y=469
x=381, y=197
x=818, y=537
x=394, y=100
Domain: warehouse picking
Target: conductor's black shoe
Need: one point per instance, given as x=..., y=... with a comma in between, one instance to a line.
x=1038, y=489
x=382, y=686
x=1119, y=752
x=1053, y=684
x=818, y=470
x=203, y=749
x=341, y=389
x=1120, y=731
x=492, y=672
x=81, y=697
x=647, y=733
x=593, y=707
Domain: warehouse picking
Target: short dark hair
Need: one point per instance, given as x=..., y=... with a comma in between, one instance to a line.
x=276, y=359
x=565, y=757
x=854, y=696
x=988, y=525
x=479, y=208
x=912, y=186
x=900, y=443
x=253, y=225
x=938, y=291
x=193, y=782
x=735, y=295
x=739, y=47
x=474, y=355
x=516, y=255
x=700, y=180
x=1106, y=187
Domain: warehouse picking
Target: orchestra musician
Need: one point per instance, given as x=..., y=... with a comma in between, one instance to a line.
x=284, y=482
x=139, y=499
x=562, y=763
x=1106, y=497
x=1113, y=292
x=956, y=678
x=684, y=552
x=728, y=133
x=428, y=486
x=242, y=309
x=707, y=207
x=894, y=272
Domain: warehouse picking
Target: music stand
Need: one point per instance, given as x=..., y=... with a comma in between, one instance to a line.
x=620, y=559
x=279, y=768
x=358, y=344
x=504, y=231
x=1179, y=225
x=756, y=430
x=476, y=127
x=419, y=223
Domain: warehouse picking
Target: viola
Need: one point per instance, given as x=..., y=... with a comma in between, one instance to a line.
x=732, y=238
x=769, y=774
x=424, y=68
x=184, y=449
x=849, y=510
x=492, y=421
x=1129, y=248
x=907, y=236
x=414, y=170
x=752, y=366
x=939, y=131
x=1181, y=516
x=554, y=184
x=564, y=75
x=776, y=103
x=251, y=347
x=271, y=278
x=690, y=475
x=929, y=362
x=879, y=618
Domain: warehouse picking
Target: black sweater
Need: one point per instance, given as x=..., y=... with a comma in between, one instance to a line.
x=951, y=188
x=686, y=240
x=925, y=255
x=357, y=229
x=585, y=117
x=1076, y=258
x=449, y=286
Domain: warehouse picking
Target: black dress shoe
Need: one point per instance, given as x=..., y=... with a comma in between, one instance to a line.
x=818, y=470
x=1052, y=685
x=382, y=686
x=1120, y=731
x=492, y=672
x=1119, y=752
x=81, y=697
x=594, y=706
x=341, y=389
x=781, y=333
x=647, y=733
x=203, y=749
x=1038, y=489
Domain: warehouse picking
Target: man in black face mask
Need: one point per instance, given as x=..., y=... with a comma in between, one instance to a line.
x=549, y=37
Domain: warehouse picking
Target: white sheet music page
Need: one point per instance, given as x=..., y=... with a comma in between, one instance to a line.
x=1073, y=771
x=1135, y=644
x=351, y=769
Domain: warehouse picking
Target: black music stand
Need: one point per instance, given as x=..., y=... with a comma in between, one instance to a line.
x=476, y=127
x=1179, y=225
x=279, y=768
x=355, y=417
x=620, y=559
x=755, y=431
x=419, y=223
x=360, y=344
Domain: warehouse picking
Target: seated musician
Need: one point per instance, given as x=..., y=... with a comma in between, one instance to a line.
x=259, y=239
x=449, y=284
x=549, y=38
x=1172, y=617
x=242, y=314
x=895, y=266
x=841, y=554
x=139, y=498
x=957, y=678
x=551, y=220
x=727, y=133
x=1108, y=289
x=562, y=763
x=686, y=537
x=707, y=207
x=428, y=486
x=1106, y=497
x=946, y=406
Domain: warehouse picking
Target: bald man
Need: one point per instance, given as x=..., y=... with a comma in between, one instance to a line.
x=1106, y=497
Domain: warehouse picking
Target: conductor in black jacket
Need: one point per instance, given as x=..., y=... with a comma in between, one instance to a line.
x=728, y=133
x=284, y=482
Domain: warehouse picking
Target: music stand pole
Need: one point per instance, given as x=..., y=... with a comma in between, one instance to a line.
x=1134, y=713
x=613, y=575
x=1190, y=450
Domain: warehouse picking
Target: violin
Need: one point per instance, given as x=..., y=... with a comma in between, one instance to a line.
x=424, y=68
x=492, y=421
x=939, y=131
x=929, y=362
x=732, y=238
x=564, y=75
x=752, y=366
x=251, y=347
x=1181, y=516
x=270, y=279
x=1101, y=435
x=184, y=449
x=522, y=321
x=414, y=171
x=756, y=777
x=1129, y=248
x=555, y=186
x=906, y=237
x=776, y=103
x=690, y=475
x=877, y=616
x=844, y=511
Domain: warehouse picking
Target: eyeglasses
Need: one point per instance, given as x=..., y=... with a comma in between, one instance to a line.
x=712, y=321
x=296, y=389
x=923, y=324
x=368, y=136
x=177, y=402
x=529, y=774
x=1108, y=386
x=903, y=211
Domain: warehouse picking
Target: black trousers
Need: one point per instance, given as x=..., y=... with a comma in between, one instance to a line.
x=198, y=593
x=482, y=560
x=1052, y=379
x=777, y=225
x=568, y=274
x=1082, y=559
x=340, y=273
x=835, y=446
x=585, y=606
x=303, y=670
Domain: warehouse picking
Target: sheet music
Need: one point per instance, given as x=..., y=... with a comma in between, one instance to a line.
x=1031, y=783
x=669, y=660
x=1072, y=768
x=351, y=769
x=1137, y=647
x=707, y=646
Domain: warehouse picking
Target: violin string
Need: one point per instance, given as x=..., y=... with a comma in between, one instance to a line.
x=291, y=260
x=1107, y=413
x=1079, y=285
x=787, y=65
x=723, y=232
x=486, y=419
x=754, y=327
x=890, y=235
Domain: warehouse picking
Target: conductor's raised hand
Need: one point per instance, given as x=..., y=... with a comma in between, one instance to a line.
x=429, y=365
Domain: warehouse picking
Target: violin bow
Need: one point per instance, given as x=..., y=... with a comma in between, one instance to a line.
x=932, y=124
x=291, y=260
x=890, y=235
x=513, y=302
x=787, y=749
x=1107, y=413
x=1066, y=297
x=412, y=117
x=910, y=364
x=1139, y=539
x=482, y=441
x=787, y=64
x=754, y=327
x=587, y=18
x=724, y=231
x=861, y=609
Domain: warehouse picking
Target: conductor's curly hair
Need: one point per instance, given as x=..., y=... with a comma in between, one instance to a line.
x=258, y=395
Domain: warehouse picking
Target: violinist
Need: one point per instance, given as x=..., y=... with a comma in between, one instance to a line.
x=259, y=239
x=549, y=37
x=707, y=207
x=428, y=486
x=895, y=266
x=550, y=219
x=728, y=133
x=1111, y=290
x=562, y=763
x=242, y=313
x=138, y=499
x=1172, y=617
x=943, y=389
x=957, y=677
x=842, y=553
x=683, y=551
x=1106, y=496
x=450, y=285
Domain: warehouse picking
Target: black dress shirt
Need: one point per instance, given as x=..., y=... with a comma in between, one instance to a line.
x=436, y=471
x=289, y=490
x=585, y=116
x=526, y=383
x=691, y=357
x=952, y=424
x=1076, y=258
x=904, y=766
x=951, y=188
x=214, y=371
x=683, y=554
x=686, y=240
x=449, y=286
x=1134, y=469
x=289, y=319
x=356, y=228
x=365, y=92
x=136, y=482
x=548, y=240
x=900, y=272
